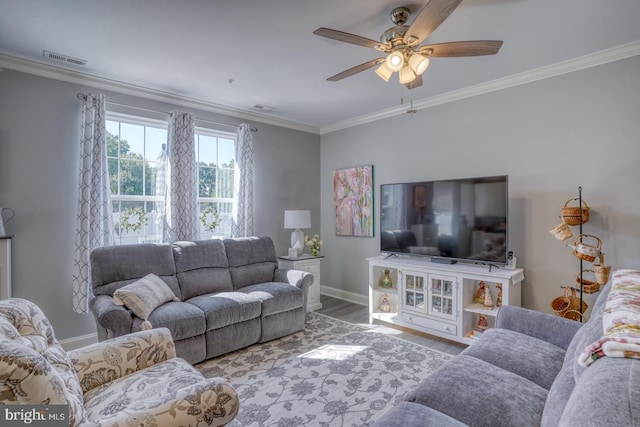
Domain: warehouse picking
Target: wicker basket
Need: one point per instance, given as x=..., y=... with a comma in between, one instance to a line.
x=571, y=214
x=561, y=231
x=573, y=315
x=588, y=286
x=568, y=305
x=586, y=251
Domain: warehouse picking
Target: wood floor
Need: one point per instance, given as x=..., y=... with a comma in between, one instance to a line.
x=359, y=314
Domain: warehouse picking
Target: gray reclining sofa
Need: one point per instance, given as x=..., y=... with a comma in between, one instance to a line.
x=231, y=293
x=525, y=372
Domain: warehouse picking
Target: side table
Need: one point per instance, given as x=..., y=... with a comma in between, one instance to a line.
x=310, y=264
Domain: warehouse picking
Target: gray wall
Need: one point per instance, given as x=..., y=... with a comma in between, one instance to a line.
x=39, y=140
x=550, y=136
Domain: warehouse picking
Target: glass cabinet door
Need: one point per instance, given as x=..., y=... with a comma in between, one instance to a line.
x=414, y=292
x=441, y=296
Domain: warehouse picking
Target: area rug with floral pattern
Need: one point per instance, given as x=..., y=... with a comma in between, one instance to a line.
x=332, y=373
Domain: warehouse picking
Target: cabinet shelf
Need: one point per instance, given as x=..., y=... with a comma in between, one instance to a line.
x=480, y=309
x=391, y=291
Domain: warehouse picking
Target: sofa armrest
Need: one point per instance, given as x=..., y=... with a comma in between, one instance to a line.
x=552, y=329
x=115, y=319
x=298, y=278
x=103, y=362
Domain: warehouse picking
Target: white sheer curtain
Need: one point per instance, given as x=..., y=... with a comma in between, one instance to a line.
x=94, y=220
x=182, y=198
x=243, y=215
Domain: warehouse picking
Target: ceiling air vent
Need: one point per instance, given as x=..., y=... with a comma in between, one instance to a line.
x=63, y=58
x=264, y=107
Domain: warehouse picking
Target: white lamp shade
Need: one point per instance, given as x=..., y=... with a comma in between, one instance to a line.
x=297, y=219
x=418, y=63
x=395, y=60
x=384, y=72
x=406, y=75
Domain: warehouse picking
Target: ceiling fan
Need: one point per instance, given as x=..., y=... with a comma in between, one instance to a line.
x=401, y=43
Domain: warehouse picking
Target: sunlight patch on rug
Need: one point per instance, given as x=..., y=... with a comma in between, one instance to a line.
x=334, y=352
x=332, y=373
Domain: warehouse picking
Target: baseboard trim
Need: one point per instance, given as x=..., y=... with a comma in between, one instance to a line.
x=77, y=342
x=344, y=295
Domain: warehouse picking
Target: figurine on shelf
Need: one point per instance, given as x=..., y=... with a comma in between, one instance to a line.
x=499, y=298
x=385, y=303
x=488, y=301
x=386, y=281
x=480, y=293
x=483, y=325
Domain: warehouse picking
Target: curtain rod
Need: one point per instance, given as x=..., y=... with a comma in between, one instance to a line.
x=82, y=96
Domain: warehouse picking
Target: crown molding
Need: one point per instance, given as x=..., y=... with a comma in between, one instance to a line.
x=576, y=64
x=86, y=79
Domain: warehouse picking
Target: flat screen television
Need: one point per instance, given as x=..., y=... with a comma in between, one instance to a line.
x=448, y=220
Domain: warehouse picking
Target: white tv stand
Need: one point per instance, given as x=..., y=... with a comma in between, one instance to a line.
x=438, y=298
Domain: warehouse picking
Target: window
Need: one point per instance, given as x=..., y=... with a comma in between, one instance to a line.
x=215, y=157
x=136, y=151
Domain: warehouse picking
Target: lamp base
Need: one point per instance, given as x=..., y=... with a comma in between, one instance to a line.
x=297, y=241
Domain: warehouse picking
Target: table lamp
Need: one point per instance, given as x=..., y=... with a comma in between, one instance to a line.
x=297, y=219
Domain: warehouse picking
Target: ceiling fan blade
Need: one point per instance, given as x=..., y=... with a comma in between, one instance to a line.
x=463, y=48
x=417, y=82
x=429, y=18
x=356, y=69
x=341, y=36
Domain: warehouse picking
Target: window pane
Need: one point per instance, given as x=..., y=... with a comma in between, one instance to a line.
x=226, y=152
x=151, y=173
x=225, y=183
x=132, y=139
x=156, y=138
x=113, y=175
x=207, y=182
x=131, y=177
x=207, y=150
x=113, y=130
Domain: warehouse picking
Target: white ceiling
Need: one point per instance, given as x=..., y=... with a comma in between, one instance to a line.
x=192, y=48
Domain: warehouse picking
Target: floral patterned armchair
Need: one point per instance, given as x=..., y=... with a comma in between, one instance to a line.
x=134, y=379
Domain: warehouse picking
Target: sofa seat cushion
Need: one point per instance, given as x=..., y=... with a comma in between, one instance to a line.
x=227, y=308
x=182, y=319
x=163, y=394
x=478, y=393
x=406, y=414
x=521, y=354
x=276, y=297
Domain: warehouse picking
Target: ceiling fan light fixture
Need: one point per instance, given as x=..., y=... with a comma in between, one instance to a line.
x=406, y=75
x=395, y=60
x=418, y=63
x=384, y=72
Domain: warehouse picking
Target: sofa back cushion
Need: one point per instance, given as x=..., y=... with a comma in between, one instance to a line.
x=35, y=368
x=201, y=267
x=113, y=267
x=252, y=260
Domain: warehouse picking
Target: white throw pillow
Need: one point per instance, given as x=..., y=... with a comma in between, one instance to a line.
x=143, y=296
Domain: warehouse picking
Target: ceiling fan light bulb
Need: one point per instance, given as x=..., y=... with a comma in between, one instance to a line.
x=418, y=63
x=384, y=72
x=406, y=75
x=395, y=60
